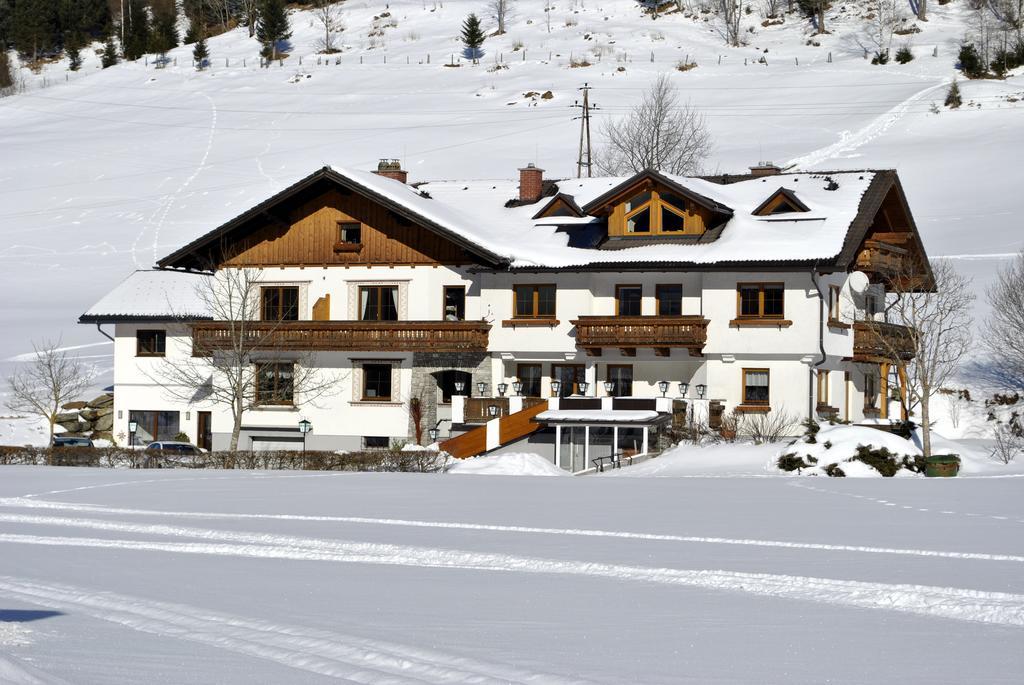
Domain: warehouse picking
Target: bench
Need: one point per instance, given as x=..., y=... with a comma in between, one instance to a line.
x=613, y=460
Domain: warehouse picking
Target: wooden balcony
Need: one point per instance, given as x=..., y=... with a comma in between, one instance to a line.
x=332, y=336
x=882, y=261
x=877, y=341
x=595, y=333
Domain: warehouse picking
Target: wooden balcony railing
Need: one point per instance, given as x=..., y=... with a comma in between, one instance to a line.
x=307, y=336
x=877, y=341
x=594, y=333
x=881, y=261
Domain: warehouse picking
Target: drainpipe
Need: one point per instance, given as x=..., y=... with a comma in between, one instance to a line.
x=821, y=343
x=99, y=327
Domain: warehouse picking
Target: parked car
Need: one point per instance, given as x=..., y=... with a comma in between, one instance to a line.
x=71, y=441
x=176, y=447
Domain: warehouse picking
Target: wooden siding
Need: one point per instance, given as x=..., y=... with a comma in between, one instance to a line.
x=306, y=233
x=596, y=332
x=697, y=219
x=468, y=444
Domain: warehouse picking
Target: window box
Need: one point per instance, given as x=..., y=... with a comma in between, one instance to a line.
x=760, y=323
x=348, y=247
x=753, y=408
x=836, y=324
x=528, y=323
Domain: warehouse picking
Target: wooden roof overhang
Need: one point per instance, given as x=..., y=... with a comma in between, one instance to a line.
x=191, y=256
x=603, y=204
x=136, y=318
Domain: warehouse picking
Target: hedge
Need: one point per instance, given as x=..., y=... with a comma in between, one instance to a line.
x=422, y=461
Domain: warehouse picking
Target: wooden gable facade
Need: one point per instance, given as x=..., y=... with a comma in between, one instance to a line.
x=310, y=232
x=322, y=222
x=889, y=248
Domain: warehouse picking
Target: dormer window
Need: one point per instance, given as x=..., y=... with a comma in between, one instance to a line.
x=782, y=201
x=655, y=212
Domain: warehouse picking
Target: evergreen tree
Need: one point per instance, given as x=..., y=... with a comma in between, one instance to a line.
x=109, y=51
x=82, y=19
x=6, y=77
x=200, y=53
x=34, y=27
x=165, y=32
x=73, y=49
x=953, y=96
x=136, y=29
x=272, y=27
x=472, y=37
x=6, y=10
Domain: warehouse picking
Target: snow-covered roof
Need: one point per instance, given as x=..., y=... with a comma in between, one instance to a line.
x=819, y=233
x=597, y=416
x=152, y=295
x=479, y=216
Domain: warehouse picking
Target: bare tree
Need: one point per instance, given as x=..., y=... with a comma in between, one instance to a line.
x=500, y=9
x=880, y=28
x=770, y=8
x=243, y=364
x=46, y=383
x=327, y=13
x=250, y=15
x=730, y=14
x=1008, y=442
x=1004, y=329
x=659, y=133
x=933, y=308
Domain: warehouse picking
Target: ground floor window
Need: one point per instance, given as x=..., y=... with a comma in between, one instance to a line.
x=154, y=425
x=529, y=375
x=755, y=386
x=376, y=442
x=870, y=391
x=569, y=376
x=376, y=382
x=621, y=378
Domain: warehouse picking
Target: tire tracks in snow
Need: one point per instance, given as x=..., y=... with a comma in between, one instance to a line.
x=328, y=653
x=936, y=602
x=573, y=532
x=848, y=142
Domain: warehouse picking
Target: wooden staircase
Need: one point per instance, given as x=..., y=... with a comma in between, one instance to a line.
x=508, y=429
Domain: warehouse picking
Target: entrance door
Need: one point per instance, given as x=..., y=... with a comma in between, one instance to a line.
x=204, y=432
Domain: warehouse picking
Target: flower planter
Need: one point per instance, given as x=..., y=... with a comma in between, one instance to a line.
x=942, y=466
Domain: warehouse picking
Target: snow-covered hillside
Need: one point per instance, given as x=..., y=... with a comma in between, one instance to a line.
x=114, y=168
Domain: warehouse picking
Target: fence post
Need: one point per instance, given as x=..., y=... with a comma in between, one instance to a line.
x=830, y=57
x=797, y=61
x=719, y=60
x=360, y=59
x=652, y=55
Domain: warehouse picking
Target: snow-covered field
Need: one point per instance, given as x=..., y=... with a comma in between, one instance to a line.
x=188, y=577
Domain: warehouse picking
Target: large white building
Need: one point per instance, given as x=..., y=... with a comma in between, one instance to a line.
x=571, y=318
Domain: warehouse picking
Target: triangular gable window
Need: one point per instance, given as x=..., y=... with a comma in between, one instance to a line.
x=655, y=211
x=782, y=201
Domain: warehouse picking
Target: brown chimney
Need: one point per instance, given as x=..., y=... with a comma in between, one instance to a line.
x=531, y=183
x=392, y=168
x=765, y=169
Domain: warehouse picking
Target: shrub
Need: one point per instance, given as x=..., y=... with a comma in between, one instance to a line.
x=792, y=462
x=811, y=428
x=953, y=96
x=881, y=57
x=767, y=426
x=904, y=54
x=970, y=61
x=833, y=471
x=887, y=463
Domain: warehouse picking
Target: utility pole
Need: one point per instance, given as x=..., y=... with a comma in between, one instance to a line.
x=585, y=156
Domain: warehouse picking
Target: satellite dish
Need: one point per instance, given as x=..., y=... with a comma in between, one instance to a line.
x=858, y=282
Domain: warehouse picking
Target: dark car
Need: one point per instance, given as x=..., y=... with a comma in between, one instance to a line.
x=172, y=446
x=71, y=441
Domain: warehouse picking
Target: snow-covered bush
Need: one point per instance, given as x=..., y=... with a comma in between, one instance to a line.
x=843, y=450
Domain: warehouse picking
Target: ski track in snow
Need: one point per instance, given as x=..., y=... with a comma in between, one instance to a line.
x=887, y=503
x=576, y=532
x=937, y=602
x=328, y=653
x=848, y=142
x=167, y=202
